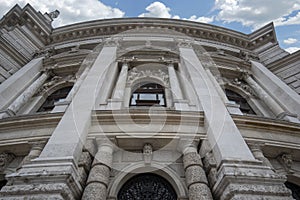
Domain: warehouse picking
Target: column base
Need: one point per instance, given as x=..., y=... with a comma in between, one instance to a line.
x=55, y=179
x=181, y=104
x=234, y=108
x=249, y=180
x=6, y=113
x=288, y=117
x=114, y=104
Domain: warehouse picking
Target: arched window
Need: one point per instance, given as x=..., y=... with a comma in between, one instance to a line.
x=148, y=187
x=148, y=95
x=56, y=96
x=238, y=99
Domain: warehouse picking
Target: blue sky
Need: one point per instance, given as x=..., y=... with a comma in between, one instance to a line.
x=240, y=15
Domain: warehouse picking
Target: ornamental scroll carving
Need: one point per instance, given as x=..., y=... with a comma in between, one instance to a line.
x=287, y=161
x=5, y=159
x=136, y=74
x=54, y=80
x=243, y=86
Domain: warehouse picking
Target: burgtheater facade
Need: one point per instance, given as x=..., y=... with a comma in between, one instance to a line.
x=146, y=108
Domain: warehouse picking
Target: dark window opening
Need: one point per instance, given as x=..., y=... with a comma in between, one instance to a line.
x=147, y=187
x=295, y=190
x=238, y=99
x=56, y=96
x=148, y=95
x=2, y=183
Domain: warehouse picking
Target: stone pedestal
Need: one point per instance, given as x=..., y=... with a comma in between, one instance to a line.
x=249, y=180
x=44, y=180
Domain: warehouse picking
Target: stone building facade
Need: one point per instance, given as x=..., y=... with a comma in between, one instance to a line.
x=143, y=108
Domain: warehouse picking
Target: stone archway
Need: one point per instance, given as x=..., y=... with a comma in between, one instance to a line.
x=147, y=186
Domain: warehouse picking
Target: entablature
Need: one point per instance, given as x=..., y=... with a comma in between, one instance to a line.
x=109, y=27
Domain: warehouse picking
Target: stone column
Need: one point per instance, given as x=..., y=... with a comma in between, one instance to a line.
x=273, y=105
x=18, y=82
x=69, y=136
x=59, y=158
x=188, y=88
x=231, y=107
x=97, y=183
x=279, y=90
x=259, y=155
x=178, y=100
x=25, y=96
x=195, y=176
x=61, y=107
x=221, y=129
x=118, y=94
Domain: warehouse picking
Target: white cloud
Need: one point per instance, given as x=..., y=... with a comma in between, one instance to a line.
x=257, y=13
x=71, y=11
x=290, y=41
x=292, y=49
x=201, y=19
x=158, y=9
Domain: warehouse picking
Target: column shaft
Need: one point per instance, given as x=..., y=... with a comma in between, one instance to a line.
x=27, y=94
x=98, y=179
x=121, y=83
x=178, y=99
x=18, y=82
x=278, y=89
x=63, y=106
x=221, y=129
x=274, y=106
x=70, y=134
x=195, y=175
x=175, y=87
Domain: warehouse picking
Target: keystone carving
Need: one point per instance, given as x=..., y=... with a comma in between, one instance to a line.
x=147, y=152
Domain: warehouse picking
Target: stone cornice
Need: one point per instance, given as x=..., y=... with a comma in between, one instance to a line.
x=108, y=27
x=143, y=116
x=263, y=123
x=287, y=60
x=33, y=121
x=34, y=20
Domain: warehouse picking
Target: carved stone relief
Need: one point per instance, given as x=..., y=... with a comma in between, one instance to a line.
x=5, y=159
x=136, y=74
x=286, y=161
x=54, y=80
x=147, y=152
x=244, y=86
